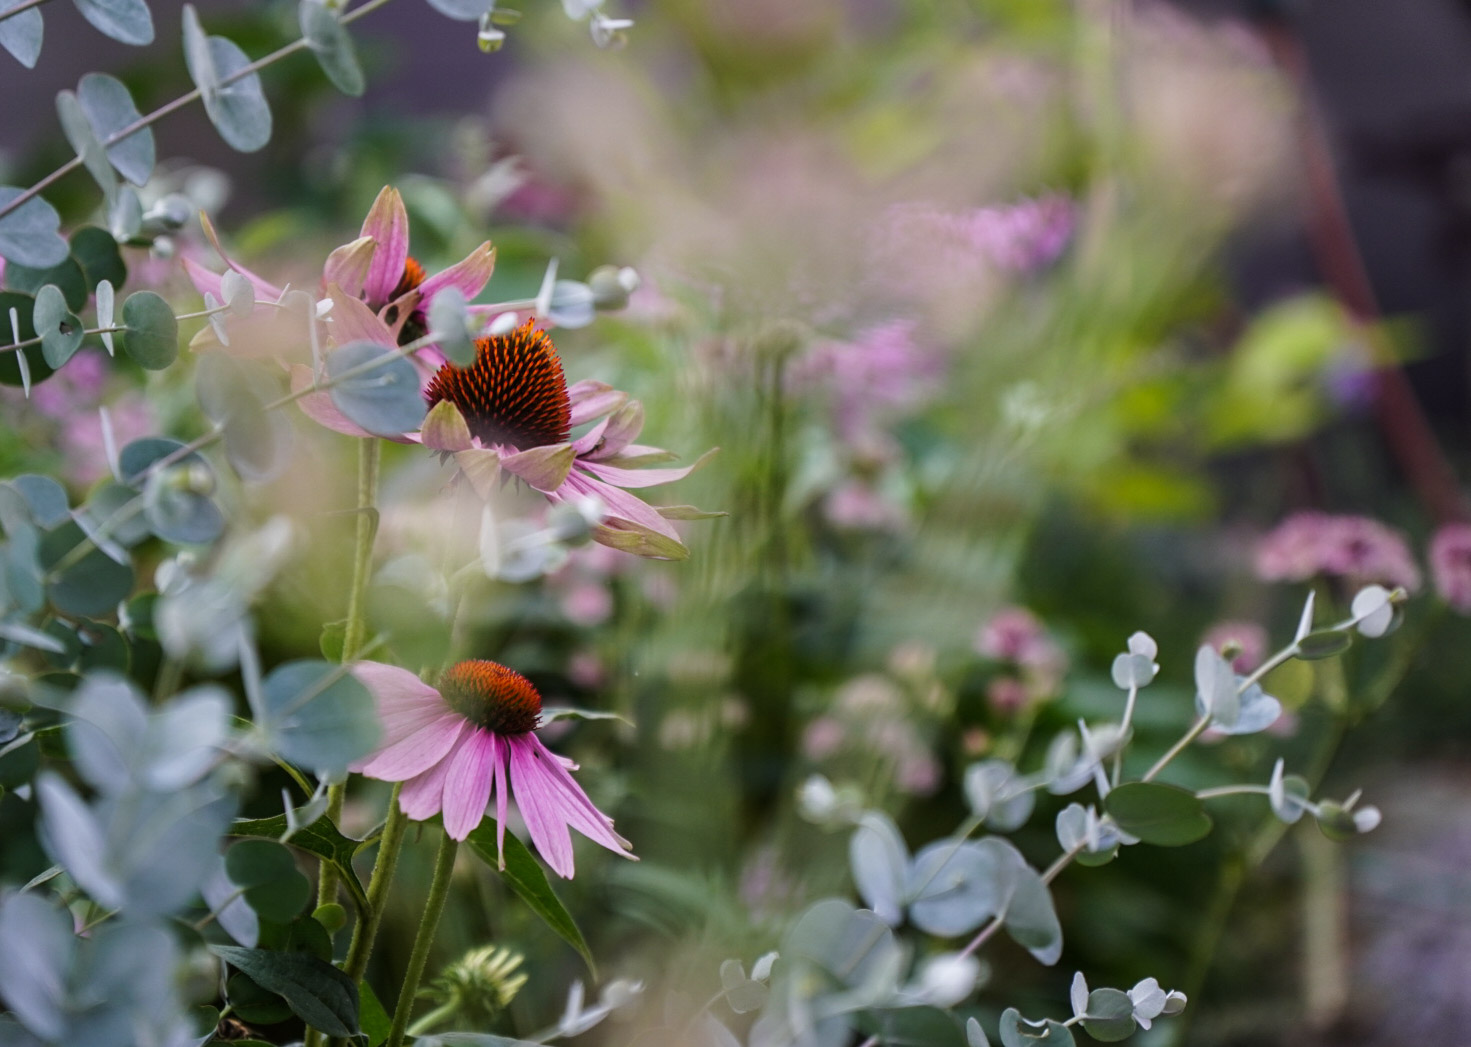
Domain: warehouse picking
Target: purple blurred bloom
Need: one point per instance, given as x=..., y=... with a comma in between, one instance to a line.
x=1249, y=637
x=1024, y=237
x=75, y=388
x=1450, y=565
x=1354, y=547
x=882, y=372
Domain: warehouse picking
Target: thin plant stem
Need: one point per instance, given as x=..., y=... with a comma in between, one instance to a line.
x=444, y=864
x=15, y=346
x=369, y=455
x=24, y=5
x=366, y=929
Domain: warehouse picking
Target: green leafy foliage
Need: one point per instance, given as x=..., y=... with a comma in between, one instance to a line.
x=321, y=838
x=1157, y=813
x=317, y=992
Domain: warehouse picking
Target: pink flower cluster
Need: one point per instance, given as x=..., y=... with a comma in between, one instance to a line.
x=1450, y=565
x=1015, y=635
x=1358, y=548
x=1023, y=237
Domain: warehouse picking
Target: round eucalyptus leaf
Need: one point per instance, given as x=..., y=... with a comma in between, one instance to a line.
x=37, y=368
x=79, y=134
x=45, y=498
x=237, y=108
x=383, y=399
x=109, y=109
x=449, y=319
x=88, y=583
x=21, y=33
x=114, y=505
x=137, y=456
x=28, y=234
x=332, y=46
x=1109, y=1015
x=1017, y=1031
x=37, y=944
x=879, y=859
x=275, y=889
x=126, y=21
x=176, y=511
x=954, y=888
x=1031, y=919
x=853, y=947
x=1336, y=822
x=317, y=716
x=103, y=648
x=152, y=337
x=96, y=252
x=462, y=10
x=60, y=331
x=254, y=1004
x=1161, y=814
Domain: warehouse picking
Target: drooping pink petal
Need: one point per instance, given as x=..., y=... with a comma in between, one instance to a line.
x=419, y=751
x=585, y=443
x=469, y=275
x=641, y=477
x=591, y=400
x=388, y=224
x=264, y=289
x=623, y=425
x=540, y=809
x=482, y=467
x=582, y=813
x=347, y=266
x=619, y=503
x=423, y=795
x=544, y=468
x=500, y=803
x=467, y=789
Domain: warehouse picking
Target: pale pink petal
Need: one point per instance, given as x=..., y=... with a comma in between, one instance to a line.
x=540, y=810
x=500, y=803
x=619, y=503
x=467, y=790
x=419, y=751
x=640, y=477
x=581, y=813
x=392, y=685
x=469, y=275
x=482, y=467
x=623, y=425
x=544, y=468
x=347, y=266
x=205, y=281
x=591, y=400
x=352, y=320
x=264, y=289
x=588, y=441
x=388, y=224
x=423, y=795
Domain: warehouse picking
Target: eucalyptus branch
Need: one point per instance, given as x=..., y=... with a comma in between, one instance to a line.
x=178, y=103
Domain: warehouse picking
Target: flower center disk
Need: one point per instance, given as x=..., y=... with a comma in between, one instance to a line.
x=491, y=696
x=514, y=393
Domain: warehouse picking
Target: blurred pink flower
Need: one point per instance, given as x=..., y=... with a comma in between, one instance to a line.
x=1007, y=694
x=474, y=735
x=823, y=737
x=1250, y=637
x=1023, y=237
x=1013, y=634
x=918, y=773
x=855, y=506
x=82, y=441
x=882, y=372
x=1354, y=547
x=75, y=388
x=1450, y=565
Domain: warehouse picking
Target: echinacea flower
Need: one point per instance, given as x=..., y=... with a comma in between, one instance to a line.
x=375, y=268
x=473, y=737
x=511, y=413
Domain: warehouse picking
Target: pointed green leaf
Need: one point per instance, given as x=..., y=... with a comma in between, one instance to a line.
x=317, y=992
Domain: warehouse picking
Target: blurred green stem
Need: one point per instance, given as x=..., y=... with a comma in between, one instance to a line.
x=366, y=930
x=444, y=864
x=356, y=629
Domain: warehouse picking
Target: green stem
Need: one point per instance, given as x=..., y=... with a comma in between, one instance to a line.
x=357, y=620
x=366, y=929
x=444, y=864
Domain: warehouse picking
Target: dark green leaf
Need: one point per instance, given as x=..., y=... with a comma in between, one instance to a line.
x=317, y=993
x=1016, y=1031
x=1158, y=813
x=1110, y=1015
x=525, y=876
x=60, y=331
x=23, y=305
x=274, y=887
x=253, y=1003
x=68, y=276
x=90, y=583
x=138, y=455
x=152, y=336
x=321, y=838
x=103, y=647
x=1325, y=643
x=96, y=252
x=373, y=1018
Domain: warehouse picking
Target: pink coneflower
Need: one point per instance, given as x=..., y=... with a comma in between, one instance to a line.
x=1450, y=565
x=474, y=735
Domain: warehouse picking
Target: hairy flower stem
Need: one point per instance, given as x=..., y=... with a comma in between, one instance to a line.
x=444, y=864
x=356, y=630
x=366, y=929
